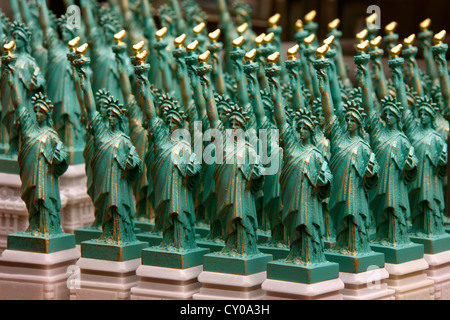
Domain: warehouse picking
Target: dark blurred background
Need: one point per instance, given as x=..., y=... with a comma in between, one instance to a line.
x=352, y=13
x=408, y=13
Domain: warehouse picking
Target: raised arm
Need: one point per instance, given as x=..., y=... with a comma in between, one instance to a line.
x=364, y=78
x=251, y=71
x=145, y=95
x=119, y=50
x=292, y=66
x=396, y=64
x=321, y=64
x=409, y=53
x=204, y=71
x=273, y=73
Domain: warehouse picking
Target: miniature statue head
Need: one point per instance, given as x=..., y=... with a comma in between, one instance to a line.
x=115, y=114
x=66, y=31
x=354, y=118
x=167, y=17
x=223, y=104
x=392, y=112
x=43, y=109
x=101, y=101
x=21, y=35
x=110, y=27
x=427, y=110
x=242, y=12
x=305, y=123
x=237, y=118
x=173, y=115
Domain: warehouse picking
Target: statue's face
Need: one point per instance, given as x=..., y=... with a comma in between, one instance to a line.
x=112, y=118
x=241, y=17
x=173, y=124
x=352, y=124
x=235, y=124
x=109, y=34
x=20, y=42
x=304, y=132
x=40, y=114
x=390, y=118
x=66, y=34
x=425, y=117
x=320, y=118
x=102, y=107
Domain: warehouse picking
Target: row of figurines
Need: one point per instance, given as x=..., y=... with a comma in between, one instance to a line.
x=365, y=156
x=344, y=124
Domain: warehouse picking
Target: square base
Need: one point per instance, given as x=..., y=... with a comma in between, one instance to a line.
x=23, y=241
x=263, y=236
x=94, y=249
x=158, y=257
x=276, y=252
x=238, y=265
x=86, y=234
x=37, y=276
x=358, y=263
x=144, y=226
x=9, y=164
x=285, y=271
x=439, y=272
x=400, y=254
x=157, y=283
x=202, y=231
x=284, y=290
x=222, y=286
x=105, y=280
x=433, y=245
x=152, y=239
x=369, y=285
x=211, y=245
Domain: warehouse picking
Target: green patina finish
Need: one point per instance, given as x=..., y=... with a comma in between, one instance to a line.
x=87, y=233
x=97, y=249
x=215, y=245
x=178, y=259
x=400, y=254
x=144, y=226
x=153, y=239
x=433, y=245
x=358, y=263
x=24, y=241
x=238, y=264
x=284, y=271
x=10, y=166
x=277, y=251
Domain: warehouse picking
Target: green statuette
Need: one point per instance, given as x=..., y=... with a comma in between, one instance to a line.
x=42, y=160
x=305, y=181
x=175, y=170
x=354, y=162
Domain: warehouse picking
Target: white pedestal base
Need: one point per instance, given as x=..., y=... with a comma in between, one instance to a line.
x=369, y=285
x=222, y=286
x=410, y=281
x=36, y=276
x=105, y=280
x=439, y=272
x=158, y=283
x=285, y=290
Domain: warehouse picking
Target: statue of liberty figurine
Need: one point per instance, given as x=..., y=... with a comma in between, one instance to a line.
x=426, y=194
x=237, y=176
x=42, y=160
x=30, y=80
x=61, y=85
x=395, y=154
x=354, y=162
x=175, y=170
x=115, y=164
x=305, y=179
